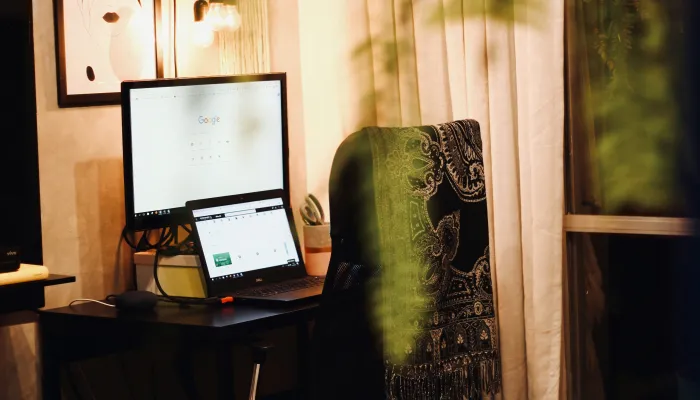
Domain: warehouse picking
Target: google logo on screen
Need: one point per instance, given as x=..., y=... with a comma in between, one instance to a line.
x=209, y=120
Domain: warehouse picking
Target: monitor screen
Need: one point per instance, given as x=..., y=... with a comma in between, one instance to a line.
x=191, y=139
x=241, y=238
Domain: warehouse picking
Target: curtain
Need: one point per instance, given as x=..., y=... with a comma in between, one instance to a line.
x=247, y=50
x=394, y=63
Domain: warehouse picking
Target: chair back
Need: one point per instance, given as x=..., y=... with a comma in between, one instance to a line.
x=407, y=310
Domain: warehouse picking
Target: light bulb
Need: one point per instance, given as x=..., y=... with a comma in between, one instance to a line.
x=203, y=35
x=216, y=16
x=233, y=18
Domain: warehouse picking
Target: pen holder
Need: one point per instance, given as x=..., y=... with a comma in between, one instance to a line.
x=317, y=248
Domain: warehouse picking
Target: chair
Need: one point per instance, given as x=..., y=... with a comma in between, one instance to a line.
x=407, y=309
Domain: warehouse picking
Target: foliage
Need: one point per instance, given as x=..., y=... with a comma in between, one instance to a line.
x=633, y=102
x=632, y=85
x=632, y=72
x=398, y=298
x=389, y=46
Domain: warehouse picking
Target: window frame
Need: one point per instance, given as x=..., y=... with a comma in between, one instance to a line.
x=614, y=224
x=574, y=300
x=578, y=219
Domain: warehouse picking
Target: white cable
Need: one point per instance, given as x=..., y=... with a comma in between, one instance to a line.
x=91, y=300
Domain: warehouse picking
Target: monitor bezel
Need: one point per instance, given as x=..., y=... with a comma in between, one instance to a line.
x=179, y=215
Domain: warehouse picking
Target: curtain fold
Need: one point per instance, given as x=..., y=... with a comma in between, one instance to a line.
x=432, y=61
x=247, y=50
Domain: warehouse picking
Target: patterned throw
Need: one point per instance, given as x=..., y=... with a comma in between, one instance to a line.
x=431, y=295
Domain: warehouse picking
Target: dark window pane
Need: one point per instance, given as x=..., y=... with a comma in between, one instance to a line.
x=627, y=315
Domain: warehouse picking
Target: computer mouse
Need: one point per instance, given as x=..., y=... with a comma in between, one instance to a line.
x=136, y=300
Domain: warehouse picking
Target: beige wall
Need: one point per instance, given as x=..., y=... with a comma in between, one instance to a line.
x=80, y=164
x=284, y=57
x=323, y=63
x=81, y=203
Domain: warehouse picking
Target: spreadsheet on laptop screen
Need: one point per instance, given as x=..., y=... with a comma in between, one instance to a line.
x=245, y=237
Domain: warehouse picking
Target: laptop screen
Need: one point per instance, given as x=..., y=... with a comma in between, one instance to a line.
x=238, y=239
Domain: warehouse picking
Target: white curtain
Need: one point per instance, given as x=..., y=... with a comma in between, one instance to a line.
x=433, y=61
x=247, y=50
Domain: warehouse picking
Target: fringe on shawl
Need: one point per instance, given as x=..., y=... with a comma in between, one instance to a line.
x=460, y=378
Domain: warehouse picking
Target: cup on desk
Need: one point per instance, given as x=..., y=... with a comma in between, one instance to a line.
x=317, y=248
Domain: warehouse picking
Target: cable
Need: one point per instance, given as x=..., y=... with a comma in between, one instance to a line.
x=144, y=244
x=126, y=238
x=92, y=301
x=167, y=244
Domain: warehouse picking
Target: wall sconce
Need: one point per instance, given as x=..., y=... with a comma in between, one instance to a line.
x=203, y=33
x=214, y=16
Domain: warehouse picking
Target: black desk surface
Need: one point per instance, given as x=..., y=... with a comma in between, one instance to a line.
x=238, y=315
x=68, y=334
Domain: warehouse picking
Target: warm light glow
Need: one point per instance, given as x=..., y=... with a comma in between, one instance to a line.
x=203, y=34
x=219, y=17
x=215, y=17
x=233, y=18
x=223, y=17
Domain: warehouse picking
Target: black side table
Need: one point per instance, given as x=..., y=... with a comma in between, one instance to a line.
x=20, y=301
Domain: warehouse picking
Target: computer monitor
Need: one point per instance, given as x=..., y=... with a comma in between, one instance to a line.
x=198, y=138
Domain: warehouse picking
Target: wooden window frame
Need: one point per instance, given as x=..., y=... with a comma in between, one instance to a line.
x=574, y=346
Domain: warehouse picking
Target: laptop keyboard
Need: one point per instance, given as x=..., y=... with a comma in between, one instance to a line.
x=282, y=287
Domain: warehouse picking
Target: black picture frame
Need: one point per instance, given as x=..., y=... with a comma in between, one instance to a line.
x=66, y=100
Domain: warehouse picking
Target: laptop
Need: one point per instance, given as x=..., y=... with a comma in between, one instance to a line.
x=249, y=249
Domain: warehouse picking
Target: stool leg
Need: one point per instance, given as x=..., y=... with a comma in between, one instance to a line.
x=259, y=357
x=254, y=383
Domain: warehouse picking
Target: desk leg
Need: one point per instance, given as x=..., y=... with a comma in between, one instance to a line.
x=303, y=357
x=225, y=384
x=184, y=360
x=49, y=370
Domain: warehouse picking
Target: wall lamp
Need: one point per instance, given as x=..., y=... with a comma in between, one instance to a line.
x=220, y=15
x=214, y=16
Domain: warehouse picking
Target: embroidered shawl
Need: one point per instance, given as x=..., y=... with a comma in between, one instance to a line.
x=411, y=262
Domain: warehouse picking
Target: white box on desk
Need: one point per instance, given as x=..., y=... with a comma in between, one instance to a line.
x=178, y=275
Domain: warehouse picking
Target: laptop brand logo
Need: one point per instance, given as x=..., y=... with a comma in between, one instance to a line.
x=11, y=253
x=258, y=280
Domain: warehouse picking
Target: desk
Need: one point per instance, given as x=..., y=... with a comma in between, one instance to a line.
x=89, y=330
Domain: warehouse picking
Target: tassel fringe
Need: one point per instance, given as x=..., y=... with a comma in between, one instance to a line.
x=460, y=378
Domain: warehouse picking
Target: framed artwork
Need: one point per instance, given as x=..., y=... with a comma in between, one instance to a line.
x=100, y=43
